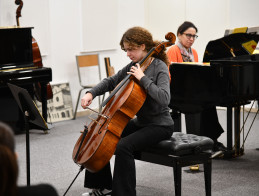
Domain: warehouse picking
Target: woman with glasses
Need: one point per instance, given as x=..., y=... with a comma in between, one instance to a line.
x=183, y=52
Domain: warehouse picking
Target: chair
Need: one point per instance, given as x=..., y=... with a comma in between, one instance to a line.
x=85, y=62
x=109, y=68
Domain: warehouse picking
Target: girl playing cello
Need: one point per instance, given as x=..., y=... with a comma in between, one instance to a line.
x=152, y=124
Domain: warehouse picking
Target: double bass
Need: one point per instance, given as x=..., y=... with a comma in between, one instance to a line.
x=97, y=144
x=37, y=60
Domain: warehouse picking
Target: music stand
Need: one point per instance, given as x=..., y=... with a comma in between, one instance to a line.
x=226, y=46
x=31, y=115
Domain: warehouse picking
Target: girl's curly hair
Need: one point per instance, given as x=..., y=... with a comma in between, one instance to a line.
x=136, y=36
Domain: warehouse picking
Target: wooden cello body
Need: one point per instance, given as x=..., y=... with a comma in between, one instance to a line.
x=97, y=144
x=104, y=133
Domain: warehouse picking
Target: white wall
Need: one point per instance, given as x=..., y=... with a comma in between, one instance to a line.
x=243, y=13
x=210, y=17
x=58, y=27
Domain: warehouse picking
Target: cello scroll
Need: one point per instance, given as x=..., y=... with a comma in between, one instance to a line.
x=18, y=10
x=171, y=40
x=156, y=50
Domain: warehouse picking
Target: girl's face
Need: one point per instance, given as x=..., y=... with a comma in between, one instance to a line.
x=188, y=37
x=135, y=54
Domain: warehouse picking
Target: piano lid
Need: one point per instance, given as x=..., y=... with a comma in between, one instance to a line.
x=15, y=47
x=230, y=46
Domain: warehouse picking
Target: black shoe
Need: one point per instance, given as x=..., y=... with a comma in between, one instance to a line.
x=218, y=146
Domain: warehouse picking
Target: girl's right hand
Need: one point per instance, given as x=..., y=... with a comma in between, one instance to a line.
x=86, y=100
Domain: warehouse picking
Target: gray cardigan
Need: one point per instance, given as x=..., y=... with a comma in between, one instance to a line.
x=156, y=82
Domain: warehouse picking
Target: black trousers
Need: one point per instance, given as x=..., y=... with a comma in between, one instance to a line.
x=134, y=138
x=205, y=123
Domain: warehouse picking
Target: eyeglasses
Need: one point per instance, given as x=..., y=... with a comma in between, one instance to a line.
x=189, y=36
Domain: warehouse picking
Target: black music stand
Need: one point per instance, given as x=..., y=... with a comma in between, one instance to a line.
x=31, y=115
x=226, y=46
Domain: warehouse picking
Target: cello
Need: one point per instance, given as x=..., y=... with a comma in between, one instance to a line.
x=97, y=144
x=37, y=60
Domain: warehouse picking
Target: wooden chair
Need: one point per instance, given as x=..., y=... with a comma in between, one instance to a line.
x=85, y=62
x=109, y=70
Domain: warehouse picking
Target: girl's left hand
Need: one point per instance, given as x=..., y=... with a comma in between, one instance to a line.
x=136, y=71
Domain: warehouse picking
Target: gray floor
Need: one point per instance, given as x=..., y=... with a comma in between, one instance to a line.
x=51, y=162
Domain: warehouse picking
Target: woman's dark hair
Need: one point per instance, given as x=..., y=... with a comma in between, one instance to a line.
x=136, y=36
x=186, y=25
x=8, y=162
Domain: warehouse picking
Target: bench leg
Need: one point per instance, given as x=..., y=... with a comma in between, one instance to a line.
x=177, y=179
x=207, y=177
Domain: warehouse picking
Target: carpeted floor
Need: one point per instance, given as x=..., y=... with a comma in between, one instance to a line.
x=51, y=162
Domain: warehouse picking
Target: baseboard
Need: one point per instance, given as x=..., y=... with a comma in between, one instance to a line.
x=87, y=112
x=221, y=108
x=253, y=110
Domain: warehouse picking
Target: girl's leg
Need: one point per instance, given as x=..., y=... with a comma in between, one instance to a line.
x=135, y=139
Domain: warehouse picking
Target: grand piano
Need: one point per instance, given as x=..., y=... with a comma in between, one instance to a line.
x=229, y=77
x=17, y=67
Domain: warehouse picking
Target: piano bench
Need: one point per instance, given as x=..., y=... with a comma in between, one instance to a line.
x=179, y=151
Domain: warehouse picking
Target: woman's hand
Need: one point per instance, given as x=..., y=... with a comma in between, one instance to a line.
x=86, y=100
x=136, y=71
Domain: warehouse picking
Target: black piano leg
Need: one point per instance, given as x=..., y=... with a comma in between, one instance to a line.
x=238, y=150
x=229, y=129
x=44, y=100
x=229, y=152
x=257, y=109
x=176, y=116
